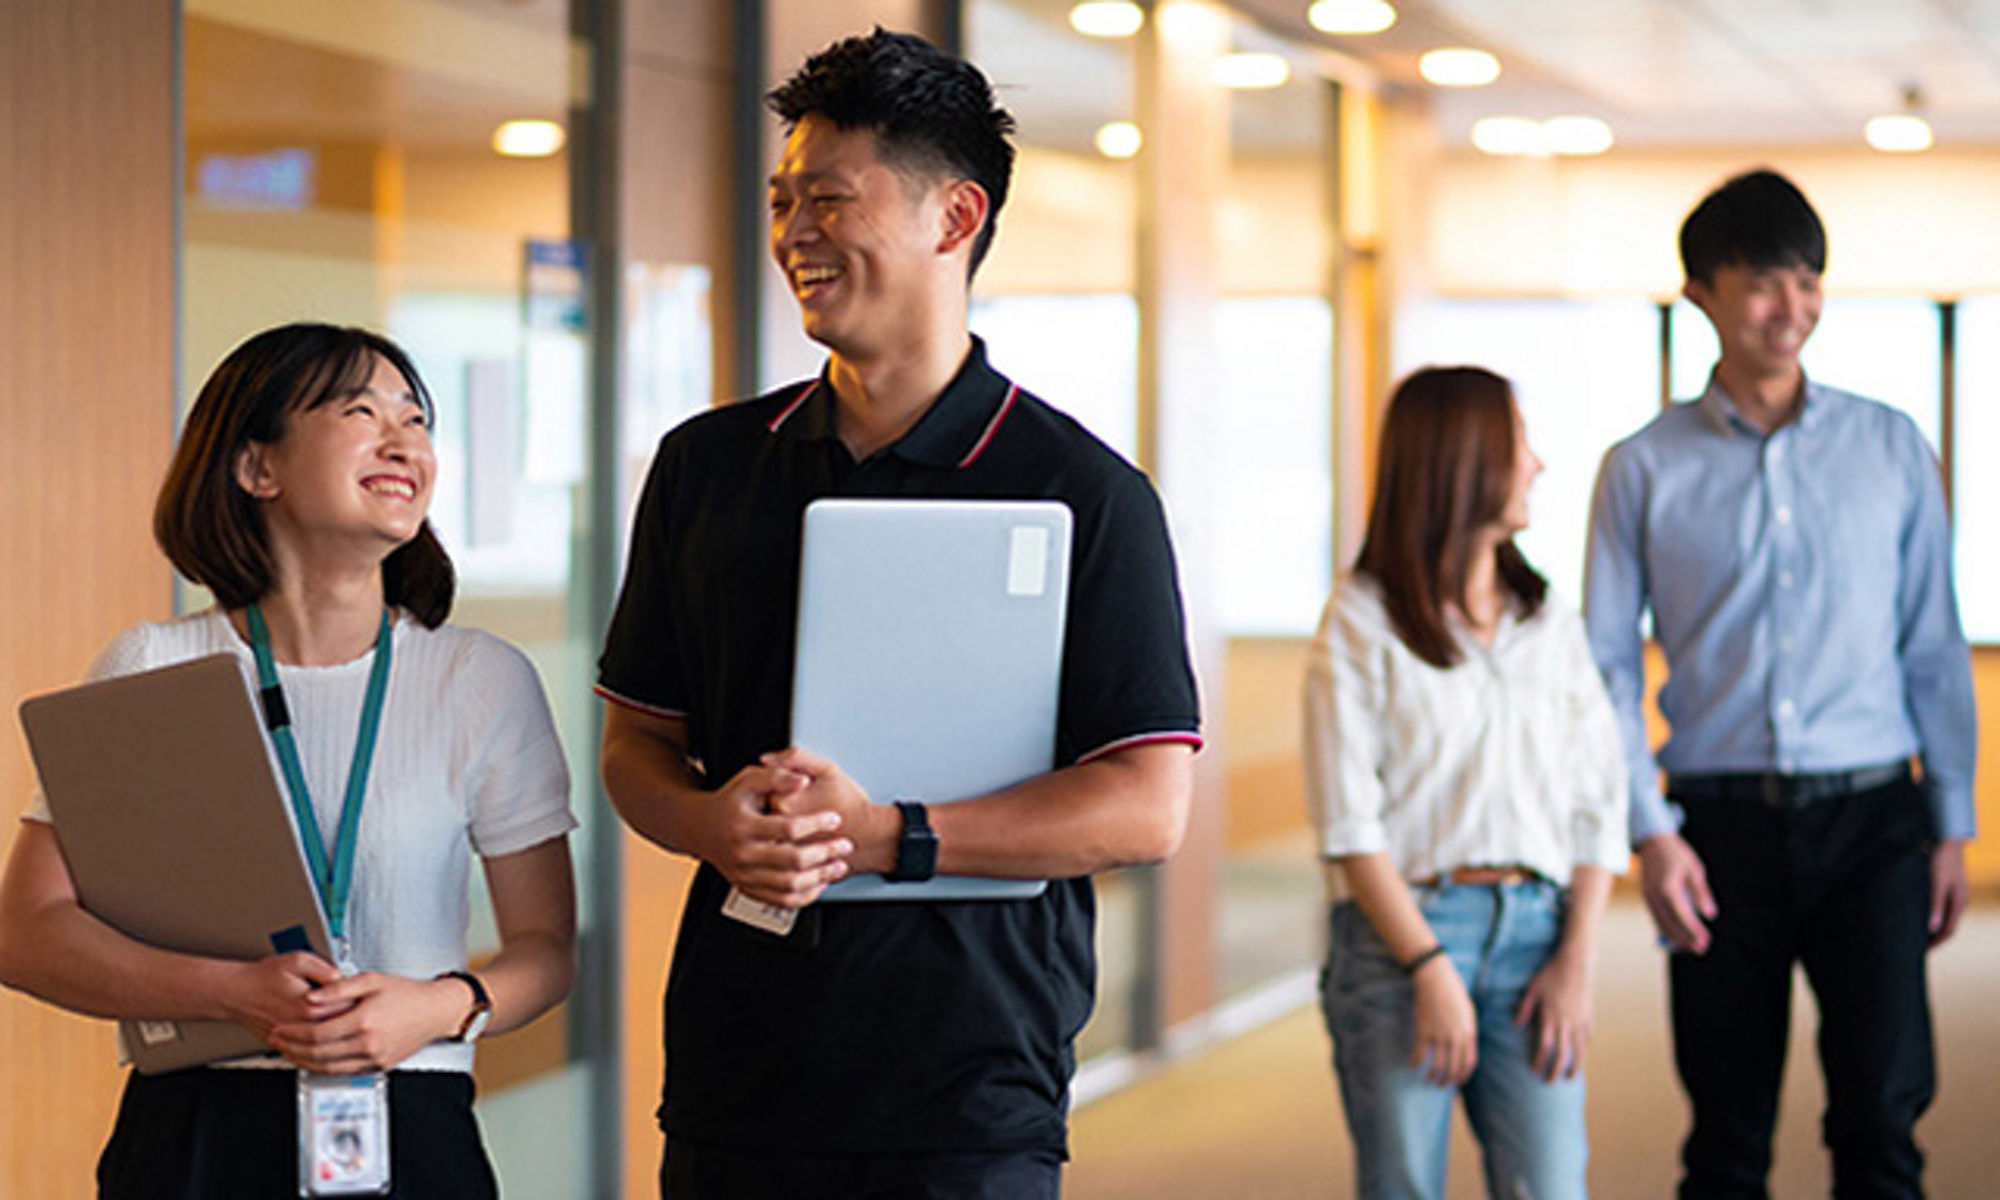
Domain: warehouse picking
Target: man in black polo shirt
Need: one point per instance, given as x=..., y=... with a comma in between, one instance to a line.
x=899, y=1049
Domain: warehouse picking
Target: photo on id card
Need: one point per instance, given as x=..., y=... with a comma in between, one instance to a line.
x=343, y=1135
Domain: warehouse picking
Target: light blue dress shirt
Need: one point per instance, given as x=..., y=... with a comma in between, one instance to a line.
x=1800, y=585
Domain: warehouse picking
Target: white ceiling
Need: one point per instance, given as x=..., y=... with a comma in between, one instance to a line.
x=1699, y=72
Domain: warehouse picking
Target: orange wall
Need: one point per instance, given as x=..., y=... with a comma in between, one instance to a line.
x=86, y=331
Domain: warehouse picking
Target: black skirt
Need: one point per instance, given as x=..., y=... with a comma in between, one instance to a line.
x=212, y=1134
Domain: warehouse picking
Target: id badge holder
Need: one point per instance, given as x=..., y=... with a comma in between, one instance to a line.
x=343, y=1135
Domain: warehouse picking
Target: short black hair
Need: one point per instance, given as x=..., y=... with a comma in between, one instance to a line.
x=930, y=112
x=1759, y=219
x=212, y=530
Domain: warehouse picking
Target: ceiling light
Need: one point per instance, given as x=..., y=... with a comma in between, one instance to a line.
x=1524, y=136
x=1459, y=66
x=1577, y=135
x=1351, y=16
x=1250, y=70
x=1508, y=136
x=529, y=139
x=1903, y=133
x=1119, y=139
x=1107, y=18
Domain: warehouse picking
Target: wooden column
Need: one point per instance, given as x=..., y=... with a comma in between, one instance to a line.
x=87, y=187
x=1183, y=168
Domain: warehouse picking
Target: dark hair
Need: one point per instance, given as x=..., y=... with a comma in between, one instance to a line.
x=213, y=531
x=1445, y=470
x=930, y=113
x=1758, y=220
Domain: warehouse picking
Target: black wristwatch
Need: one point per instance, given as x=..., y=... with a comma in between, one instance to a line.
x=482, y=1006
x=916, y=852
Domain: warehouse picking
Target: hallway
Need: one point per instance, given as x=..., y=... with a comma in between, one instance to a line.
x=1257, y=1118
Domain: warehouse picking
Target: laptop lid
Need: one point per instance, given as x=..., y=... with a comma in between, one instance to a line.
x=175, y=830
x=929, y=656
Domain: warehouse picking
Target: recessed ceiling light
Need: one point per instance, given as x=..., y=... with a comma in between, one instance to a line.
x=1351, y=16
x=1107, y=18
x=1508, y=136
x=529, y=139
x=1577, y=135
x=1524, y=136
x=1119, y=139
x=1250, y=70
x=1459, y=66
x=1903, y=133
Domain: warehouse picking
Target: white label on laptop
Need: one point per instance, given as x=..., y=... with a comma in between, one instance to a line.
x=759, y=915
x=153, y=1033
x=1028, y=561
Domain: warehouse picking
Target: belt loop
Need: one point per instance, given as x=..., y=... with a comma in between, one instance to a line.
x=1772, y=785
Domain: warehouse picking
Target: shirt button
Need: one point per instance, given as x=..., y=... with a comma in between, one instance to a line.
x=1784, y=514
x=1786, y=709
x=1785, y=643
x=1784, y=579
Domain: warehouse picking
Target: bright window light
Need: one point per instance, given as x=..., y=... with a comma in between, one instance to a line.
x=1107, y=18
x=1904, y=133
x=1251, y=71
x=529, y=139
x=1351, y=16
x=1119, y=139
x=1459, y=66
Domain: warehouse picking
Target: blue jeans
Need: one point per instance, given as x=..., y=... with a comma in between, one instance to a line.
x=1532, y=1131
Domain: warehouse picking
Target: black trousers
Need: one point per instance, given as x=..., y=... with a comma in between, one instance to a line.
x=1842, y=886
x=208, y=1134
x=692, y=1171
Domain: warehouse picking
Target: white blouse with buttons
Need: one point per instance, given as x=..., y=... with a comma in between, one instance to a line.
x=1509, y=758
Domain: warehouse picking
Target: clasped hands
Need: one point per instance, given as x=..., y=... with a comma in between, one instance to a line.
x=793, y=825
x=301, y=1006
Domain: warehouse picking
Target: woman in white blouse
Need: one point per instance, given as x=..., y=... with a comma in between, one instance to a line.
x=1465, y=779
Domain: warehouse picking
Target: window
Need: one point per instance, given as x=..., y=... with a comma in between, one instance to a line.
x=1585, y=373
x=1975, y=485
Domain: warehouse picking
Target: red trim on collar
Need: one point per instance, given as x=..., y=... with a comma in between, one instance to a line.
x=793, y=407
x=992, y=427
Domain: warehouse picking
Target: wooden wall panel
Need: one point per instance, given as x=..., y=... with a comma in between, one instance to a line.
x=87, y=333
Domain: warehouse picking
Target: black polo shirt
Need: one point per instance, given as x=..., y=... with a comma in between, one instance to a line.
x=881, y=1028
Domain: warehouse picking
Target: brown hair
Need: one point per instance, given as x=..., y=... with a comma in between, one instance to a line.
x=1444, y=472
x=213, y=531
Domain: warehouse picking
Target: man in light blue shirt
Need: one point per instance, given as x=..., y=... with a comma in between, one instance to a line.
x=1790, y=543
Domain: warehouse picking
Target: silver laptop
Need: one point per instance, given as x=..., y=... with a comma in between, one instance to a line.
x=175, y=830
x=929, y=658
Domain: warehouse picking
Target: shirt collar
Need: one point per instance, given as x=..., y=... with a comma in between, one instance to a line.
x=953, y=431
x=1728, y=420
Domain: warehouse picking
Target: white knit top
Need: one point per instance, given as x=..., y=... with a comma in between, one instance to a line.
x=466, y=762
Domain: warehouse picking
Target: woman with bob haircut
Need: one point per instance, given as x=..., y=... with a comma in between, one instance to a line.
x=298, y=495
x=1466, y=784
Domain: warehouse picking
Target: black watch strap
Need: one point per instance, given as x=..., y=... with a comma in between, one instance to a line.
x=916, y=851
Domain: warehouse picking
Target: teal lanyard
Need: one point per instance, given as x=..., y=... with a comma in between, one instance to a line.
x=332, y=878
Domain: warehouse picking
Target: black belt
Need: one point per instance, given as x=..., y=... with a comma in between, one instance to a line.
x=1786, y=791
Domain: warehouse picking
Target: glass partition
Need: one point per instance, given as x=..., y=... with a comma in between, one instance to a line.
x=1275, y=360
x=340, y=166
x=1056, y=303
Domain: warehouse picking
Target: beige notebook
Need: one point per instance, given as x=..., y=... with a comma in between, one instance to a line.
x=176, y=829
